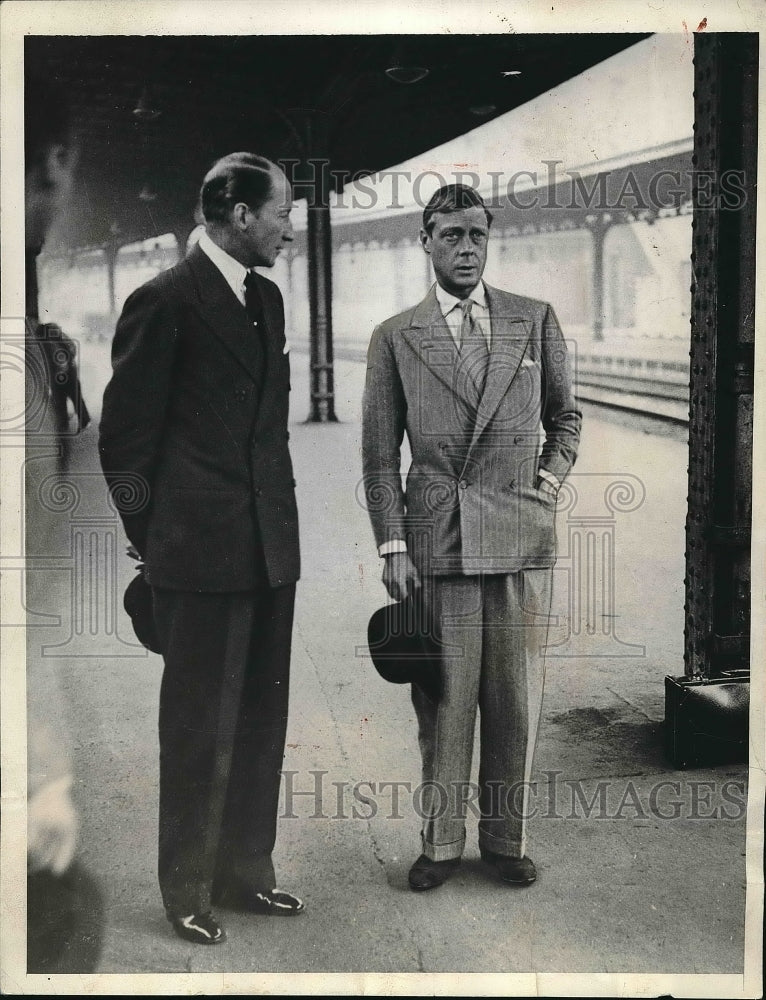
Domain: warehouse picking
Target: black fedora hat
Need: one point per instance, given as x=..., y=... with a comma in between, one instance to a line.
x=138, y=604
x=403, y=650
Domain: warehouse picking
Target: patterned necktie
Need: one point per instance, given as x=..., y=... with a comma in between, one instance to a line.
x=474, y=352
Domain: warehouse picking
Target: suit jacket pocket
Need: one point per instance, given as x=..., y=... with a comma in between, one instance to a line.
x=507, y=531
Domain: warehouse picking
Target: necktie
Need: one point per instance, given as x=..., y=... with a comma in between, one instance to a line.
x=253, y=303
x=474, y=352
x=254, y=309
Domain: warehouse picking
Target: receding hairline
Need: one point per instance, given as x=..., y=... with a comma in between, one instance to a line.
x=241, y=161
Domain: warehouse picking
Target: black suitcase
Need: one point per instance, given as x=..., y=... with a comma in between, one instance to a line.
x=706, y=720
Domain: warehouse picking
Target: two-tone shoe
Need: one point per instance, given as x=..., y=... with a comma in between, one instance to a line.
x=199, y=928
x=272, y=903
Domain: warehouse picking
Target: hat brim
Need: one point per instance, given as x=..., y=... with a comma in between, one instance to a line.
x=402, y=650
x=138, y=604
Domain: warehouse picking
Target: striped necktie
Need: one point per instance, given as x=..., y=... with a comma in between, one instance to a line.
x=474, y=353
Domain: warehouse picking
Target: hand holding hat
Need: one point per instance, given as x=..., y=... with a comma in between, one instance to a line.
x=403, y=649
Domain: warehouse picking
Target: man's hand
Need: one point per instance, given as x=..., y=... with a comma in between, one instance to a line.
x=400, y=576
x=547, y=487
x=51, y=827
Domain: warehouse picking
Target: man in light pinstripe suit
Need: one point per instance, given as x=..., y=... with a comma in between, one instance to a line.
x=471, y=374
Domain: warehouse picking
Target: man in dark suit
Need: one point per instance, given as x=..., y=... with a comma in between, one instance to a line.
x=194, y=447
x=471, y=374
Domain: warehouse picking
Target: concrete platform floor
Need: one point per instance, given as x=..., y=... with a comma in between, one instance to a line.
x=622, y=887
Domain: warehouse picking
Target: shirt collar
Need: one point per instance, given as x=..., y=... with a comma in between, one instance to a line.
x=447, y=301
x=231, y=269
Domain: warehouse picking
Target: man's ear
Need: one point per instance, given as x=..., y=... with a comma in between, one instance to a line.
x=425, y=241
x=239, y=215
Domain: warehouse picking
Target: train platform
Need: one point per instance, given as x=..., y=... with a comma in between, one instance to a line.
x=641, y=867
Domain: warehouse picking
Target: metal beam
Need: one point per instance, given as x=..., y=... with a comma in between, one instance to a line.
x=598, y=226
x=319, y=248
x=721, y=383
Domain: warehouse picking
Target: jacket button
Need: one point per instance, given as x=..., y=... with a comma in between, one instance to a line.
x=463, y=484
x=257, y=491
x=518, y=439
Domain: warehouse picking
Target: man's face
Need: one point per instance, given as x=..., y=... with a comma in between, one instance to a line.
x=46, y=188
x=458, y=248
x=269, y=228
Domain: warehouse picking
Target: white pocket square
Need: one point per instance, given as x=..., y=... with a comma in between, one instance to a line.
x=527, y=363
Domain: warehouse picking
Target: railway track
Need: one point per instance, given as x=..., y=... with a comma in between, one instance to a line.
x=644, y=387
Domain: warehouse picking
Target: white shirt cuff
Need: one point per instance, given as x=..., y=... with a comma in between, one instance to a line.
x=388, y=548
x=550, y=478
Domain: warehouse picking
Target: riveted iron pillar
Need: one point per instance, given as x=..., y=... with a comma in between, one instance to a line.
x=706, y=711
x=722, y=355
x=319, y=240
x=599, y=226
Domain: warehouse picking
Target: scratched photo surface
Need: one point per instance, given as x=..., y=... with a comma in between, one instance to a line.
x=498, y=364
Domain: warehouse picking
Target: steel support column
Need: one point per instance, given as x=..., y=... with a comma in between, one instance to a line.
x=722, y=355
x=599, y=226
x=319, y=251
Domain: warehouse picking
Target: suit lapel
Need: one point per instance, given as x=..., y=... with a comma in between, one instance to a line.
x=510, y=335
x=222, y=312
x=429, y=337
x=273, y=342
x=272, y=321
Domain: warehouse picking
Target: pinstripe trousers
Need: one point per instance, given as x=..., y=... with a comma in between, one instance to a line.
x=493, y=630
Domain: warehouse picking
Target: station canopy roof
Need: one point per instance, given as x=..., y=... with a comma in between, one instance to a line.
x=151, y=113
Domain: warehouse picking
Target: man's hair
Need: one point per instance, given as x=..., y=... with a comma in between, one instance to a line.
x=46, y=119
x=453, y=198
x=238, y=177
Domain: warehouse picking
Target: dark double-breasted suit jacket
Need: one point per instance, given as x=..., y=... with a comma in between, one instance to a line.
x=194, y=445
x=471, y=502
x=194, y=438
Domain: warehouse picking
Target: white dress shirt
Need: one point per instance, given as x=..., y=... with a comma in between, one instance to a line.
x=453, y=314
x=234, y=272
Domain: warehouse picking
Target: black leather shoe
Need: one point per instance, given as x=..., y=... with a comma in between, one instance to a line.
x=275, y=903
x=200, y=928
x=427, y=874
x=514, y=871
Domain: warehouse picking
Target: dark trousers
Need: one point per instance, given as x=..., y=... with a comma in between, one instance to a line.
x=223, y=720
x=65, y=922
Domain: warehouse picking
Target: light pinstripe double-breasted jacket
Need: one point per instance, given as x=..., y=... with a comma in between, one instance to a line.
x=470, y=502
